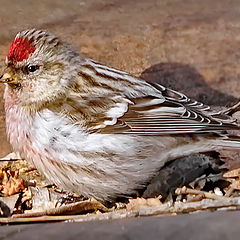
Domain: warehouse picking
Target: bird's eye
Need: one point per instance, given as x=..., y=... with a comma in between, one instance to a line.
x=32, y=68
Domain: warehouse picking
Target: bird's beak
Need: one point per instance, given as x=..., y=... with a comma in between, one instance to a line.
x=8, y=78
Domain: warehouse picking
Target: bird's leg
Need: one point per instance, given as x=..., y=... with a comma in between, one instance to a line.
x=69, y=198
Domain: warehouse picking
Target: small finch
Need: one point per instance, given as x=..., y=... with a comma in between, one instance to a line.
x=96, y=130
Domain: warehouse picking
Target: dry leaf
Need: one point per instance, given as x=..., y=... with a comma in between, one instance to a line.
x=10, y=182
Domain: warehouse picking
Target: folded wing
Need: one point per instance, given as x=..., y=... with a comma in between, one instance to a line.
x=171, y=113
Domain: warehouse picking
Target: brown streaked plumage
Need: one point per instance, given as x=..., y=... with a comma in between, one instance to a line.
x=95, y=130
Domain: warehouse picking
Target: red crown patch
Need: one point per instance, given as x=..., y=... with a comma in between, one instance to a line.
x=20, y=50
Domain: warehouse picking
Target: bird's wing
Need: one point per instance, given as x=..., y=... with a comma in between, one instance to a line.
x=170, y=113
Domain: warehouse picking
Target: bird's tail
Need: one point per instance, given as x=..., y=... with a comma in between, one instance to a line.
x=227, y=142
x=231, y=110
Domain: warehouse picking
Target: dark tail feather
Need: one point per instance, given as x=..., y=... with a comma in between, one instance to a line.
x=231, y=110
x=228, y=141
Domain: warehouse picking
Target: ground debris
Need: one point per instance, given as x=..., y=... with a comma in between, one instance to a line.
x=7, y=205
x=10, y=182
x=138, y=203
x=203, y=194
x=82, y=207
x=235, y=173
x=176, y=208
x=29, y=200
x=13, y=156
x=233, y=177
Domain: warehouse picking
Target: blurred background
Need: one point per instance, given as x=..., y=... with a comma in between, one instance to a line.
x=192, y=46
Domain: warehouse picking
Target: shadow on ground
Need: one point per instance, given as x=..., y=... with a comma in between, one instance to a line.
x=186, y=79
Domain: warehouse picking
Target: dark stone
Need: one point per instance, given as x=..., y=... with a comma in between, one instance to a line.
x=186, y=79
x=183, y=171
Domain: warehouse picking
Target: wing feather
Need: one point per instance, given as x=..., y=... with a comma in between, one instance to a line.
x=134, y=106
x=172, y=113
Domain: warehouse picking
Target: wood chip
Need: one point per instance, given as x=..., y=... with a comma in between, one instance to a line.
x=138, y=203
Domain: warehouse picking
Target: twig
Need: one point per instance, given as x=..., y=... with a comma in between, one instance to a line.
x=229, y=192
x=69, y=209
x=185, y=190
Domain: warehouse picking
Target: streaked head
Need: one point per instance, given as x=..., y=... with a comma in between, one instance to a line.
x=39, y=66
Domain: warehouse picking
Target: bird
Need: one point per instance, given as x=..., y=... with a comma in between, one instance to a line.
x=95, y=130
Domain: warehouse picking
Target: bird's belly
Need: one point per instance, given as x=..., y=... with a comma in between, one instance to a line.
x=99, y=165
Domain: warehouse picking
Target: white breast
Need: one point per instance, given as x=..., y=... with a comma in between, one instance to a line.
x=70, y=142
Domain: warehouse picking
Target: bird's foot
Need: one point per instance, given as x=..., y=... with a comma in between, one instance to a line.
x=69, y=198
